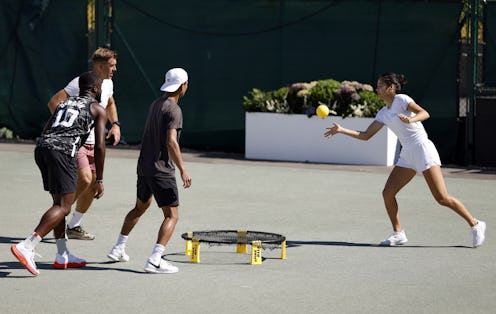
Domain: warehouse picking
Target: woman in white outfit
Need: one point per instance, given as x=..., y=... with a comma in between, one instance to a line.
x=403, y=116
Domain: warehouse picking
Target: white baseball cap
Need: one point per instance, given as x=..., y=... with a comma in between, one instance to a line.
x=173, y=79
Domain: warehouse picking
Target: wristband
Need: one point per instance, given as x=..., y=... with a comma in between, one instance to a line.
x=99, y=181
x=116, y=122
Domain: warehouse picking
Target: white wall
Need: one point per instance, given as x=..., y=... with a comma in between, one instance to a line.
x=285, y=137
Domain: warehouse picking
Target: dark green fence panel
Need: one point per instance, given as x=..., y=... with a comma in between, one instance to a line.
x=228, y=48
x=42, y=46
x=489, y=75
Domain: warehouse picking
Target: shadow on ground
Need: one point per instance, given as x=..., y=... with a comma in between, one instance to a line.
x=292, y=244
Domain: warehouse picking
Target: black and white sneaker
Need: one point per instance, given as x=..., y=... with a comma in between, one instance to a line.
x=163, y=267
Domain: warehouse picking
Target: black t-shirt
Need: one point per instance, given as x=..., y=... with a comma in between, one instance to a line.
x=69, y=126
x=164, y=114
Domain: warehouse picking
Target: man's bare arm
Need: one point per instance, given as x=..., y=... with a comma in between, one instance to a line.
x=115, y=129
x=56, y=99
x=175, y=154
x=100, y=116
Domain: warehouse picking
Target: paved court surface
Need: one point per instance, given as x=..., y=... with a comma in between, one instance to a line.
x=331, y=215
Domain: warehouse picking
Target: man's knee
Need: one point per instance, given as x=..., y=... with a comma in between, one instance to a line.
x=388, y=193
x=67, y=210
x=65, y=203
x=174, y=218
x=85, y=177
x=171, y=213
x=141, y=207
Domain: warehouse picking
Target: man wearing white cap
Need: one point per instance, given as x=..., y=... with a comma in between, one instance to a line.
x=159, y=156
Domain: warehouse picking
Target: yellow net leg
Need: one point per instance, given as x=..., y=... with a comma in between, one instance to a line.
x=283, y=249
x=256, y=253
x=189, y=247
x=189, y=244
x=195, y=252
x=241, y=246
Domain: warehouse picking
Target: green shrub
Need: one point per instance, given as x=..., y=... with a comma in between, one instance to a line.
x=298, y=94
x=323, y=93
x=368, y=106
x=346, y=99
x=272, y=101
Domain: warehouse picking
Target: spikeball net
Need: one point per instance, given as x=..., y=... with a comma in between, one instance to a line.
x=241, y=238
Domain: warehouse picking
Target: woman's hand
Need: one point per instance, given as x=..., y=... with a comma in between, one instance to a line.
x=404, y=118
x=336, y=128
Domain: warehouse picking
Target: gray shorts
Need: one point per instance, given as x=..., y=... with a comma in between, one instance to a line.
x=163, y=189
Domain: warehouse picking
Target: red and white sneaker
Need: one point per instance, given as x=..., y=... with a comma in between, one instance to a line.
x=67, y=260
x=26, y=257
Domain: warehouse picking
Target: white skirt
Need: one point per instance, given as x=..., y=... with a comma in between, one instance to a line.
x=419, y=157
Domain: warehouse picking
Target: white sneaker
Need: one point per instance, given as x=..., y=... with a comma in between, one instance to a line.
x=396, y=238
x=118, y=254
x=163, y=267
x=67, y=260
x=478, y=233
x=26, y=257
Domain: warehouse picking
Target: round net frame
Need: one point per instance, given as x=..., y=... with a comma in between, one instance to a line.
x=230, y=237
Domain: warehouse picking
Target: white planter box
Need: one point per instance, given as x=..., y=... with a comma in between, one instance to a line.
x=295, y=137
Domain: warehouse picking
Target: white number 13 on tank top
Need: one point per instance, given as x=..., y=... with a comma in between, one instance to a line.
x=65, y=118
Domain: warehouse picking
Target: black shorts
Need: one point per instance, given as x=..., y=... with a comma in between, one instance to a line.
x=163, y=189
x=58, y=170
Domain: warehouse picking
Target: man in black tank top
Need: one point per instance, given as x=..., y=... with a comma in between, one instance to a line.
x=55, y=153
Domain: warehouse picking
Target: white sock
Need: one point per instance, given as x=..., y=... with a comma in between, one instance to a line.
x=121, y=240
x=31, y=241
x=61, y=246
x=158, y=251
x=76, y=219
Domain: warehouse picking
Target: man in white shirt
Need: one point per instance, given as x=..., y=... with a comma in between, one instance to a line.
x=104, y=66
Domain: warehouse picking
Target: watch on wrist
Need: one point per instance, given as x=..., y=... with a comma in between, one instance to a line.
x=116, y=122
